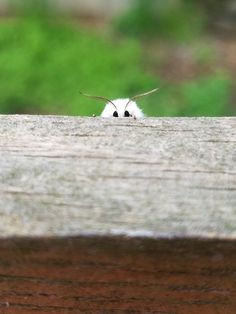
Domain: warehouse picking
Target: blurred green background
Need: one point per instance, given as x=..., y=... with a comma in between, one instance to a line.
x=49, y=52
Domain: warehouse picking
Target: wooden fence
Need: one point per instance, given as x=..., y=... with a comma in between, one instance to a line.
x=117, y=215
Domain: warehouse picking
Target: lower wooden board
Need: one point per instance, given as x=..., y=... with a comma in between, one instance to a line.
x=117, y=275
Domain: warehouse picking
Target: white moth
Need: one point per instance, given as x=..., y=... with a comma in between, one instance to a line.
x=124, y=107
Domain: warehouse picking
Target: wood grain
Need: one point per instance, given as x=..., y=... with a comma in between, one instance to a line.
x=148, y=177
x=117, y=215
x=117, y=275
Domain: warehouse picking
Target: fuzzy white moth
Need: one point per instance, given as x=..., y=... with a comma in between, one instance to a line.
x=124, y=107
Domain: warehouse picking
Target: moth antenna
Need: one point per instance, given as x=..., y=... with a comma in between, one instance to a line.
x=141, y=95
x=98, y=98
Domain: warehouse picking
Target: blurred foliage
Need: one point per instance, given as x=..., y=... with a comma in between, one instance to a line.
x=205, y=96
x=32, y=7
x=178, y=20
x=45, y=63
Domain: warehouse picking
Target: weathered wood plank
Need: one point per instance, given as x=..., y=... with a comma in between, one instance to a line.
x=148, y=177
x=155, y=178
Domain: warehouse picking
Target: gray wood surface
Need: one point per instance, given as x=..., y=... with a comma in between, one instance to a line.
x=89, y=176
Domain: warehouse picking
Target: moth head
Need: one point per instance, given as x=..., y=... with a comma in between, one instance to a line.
x=125, y=107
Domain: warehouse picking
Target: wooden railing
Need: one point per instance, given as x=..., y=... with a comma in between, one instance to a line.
x=117, y=215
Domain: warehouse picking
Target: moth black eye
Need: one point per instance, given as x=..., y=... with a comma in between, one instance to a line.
x=115, y=114
x=127, y=113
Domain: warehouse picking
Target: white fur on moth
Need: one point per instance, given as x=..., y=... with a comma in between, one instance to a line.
x=123, y=107
x=119, y=108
